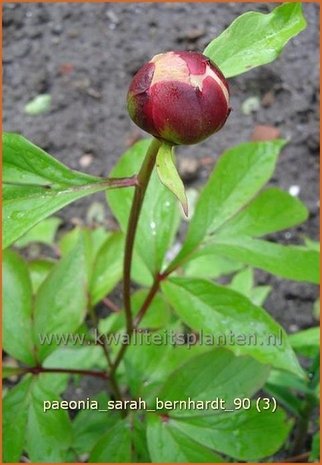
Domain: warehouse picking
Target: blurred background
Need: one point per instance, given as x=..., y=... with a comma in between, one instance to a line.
x=83, y=56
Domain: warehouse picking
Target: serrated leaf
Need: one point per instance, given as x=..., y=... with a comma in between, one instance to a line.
x=238, y=176
x=17, y=309
x=168, y=444
x=239, y=434
x=36, y=185
x=207, y=377
x=169, y=175
x=61, y=301
x=255, y=39
x=154, y=235
x=232, y=319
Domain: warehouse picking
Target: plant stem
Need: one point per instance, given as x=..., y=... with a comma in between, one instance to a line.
x=145, y=306
x=113, y=382
x=143, y=180
x=72, y=371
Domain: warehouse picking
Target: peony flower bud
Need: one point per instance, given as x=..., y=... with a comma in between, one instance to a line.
x=181, y=97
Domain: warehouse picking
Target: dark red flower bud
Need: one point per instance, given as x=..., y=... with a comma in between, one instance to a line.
x=181, y=97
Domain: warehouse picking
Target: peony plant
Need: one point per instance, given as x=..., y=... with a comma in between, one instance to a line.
x=186, y=369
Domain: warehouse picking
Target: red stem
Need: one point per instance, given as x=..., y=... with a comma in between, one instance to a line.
x=38, y=370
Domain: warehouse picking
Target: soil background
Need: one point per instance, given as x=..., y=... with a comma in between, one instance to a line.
x=84, y=56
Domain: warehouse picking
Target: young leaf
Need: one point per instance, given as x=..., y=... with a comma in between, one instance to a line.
x=114, y=446
x=239, y=434
x=232, y=319
x=17, y=309
x=255, y=39
x=290, y=262
x=169, y=176
x=238, y=176
x=108, y=267
x=154, y=234
x=208, y=376
x=168, y=444
x=272, y=210
x=61, y=301
x=36, y=185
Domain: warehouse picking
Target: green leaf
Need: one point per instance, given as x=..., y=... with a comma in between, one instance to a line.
x=210, y=266
x=44, y=233
x=315, y=448
x=83, y=357
x=154, y=235
x=169, y=445
x=8, y=372
x=285, y=397
x=272, y=210
x=158, y=315
x=36, y=185
x=49, y=434
x=255, y=39
x=61, y=301
x=229, y=319
x=169, y=175
x=208, y=376
x=45, y=436
x=259, y=294
x=90, y=425
x=291, y=262
x=108, y=267
x=39, y=270
x=238, y=176
x=40, y=104
x=114, y=446
x=17, y=309
x=15, y=417
x=152, y=357
x=312, y=245
x=243, y=282
x=239, y=434
x=306, y=342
